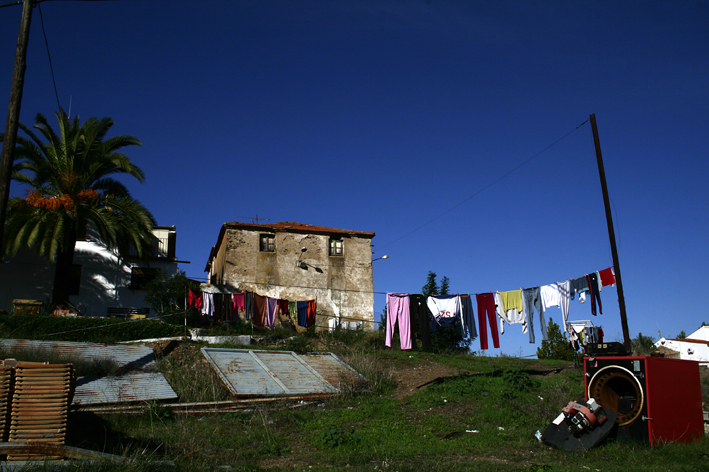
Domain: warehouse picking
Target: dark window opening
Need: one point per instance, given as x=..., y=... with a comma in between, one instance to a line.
x=267, y=243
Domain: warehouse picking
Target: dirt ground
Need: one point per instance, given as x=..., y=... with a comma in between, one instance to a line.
x=410, y=379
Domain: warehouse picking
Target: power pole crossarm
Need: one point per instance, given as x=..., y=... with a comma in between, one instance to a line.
x=13, y=114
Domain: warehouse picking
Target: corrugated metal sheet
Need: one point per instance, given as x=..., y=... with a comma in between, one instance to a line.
x=138, y=387
x=273, y=373
x=331, y=368
x=126, y=357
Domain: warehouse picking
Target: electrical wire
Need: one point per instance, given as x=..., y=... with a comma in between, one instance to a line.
x=484, y=188
x=46, y=44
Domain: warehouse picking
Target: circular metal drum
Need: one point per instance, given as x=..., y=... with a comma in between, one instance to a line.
x=616, y=388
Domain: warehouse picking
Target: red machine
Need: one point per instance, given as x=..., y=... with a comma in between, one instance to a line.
x=657, y=399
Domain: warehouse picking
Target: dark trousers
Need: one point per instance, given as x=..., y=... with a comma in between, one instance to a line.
x=595, y=293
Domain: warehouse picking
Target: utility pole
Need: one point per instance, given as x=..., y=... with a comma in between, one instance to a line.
x=611, y=235
x=13, y=115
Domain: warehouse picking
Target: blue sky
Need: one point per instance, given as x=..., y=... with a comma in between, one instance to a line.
x=401, y=117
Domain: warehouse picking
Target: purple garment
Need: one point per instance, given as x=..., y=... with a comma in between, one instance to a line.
x=271, y=312
x=398, y=309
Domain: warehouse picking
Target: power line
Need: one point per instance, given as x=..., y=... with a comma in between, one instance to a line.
x=46, y=44
x=484, y=188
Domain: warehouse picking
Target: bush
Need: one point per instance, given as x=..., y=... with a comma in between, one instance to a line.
x=98, y=330
x=556, y=347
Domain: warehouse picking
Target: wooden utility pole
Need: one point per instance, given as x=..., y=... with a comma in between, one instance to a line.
x=611, y=235
x=13, y=115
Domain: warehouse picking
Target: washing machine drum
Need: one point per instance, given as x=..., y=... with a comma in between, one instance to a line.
x=616, y=388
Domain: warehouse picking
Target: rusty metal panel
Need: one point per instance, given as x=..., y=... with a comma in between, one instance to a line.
x=242, y=373
x=138, y=387
x=269, y=373
x=127, y=357
x=331, y=368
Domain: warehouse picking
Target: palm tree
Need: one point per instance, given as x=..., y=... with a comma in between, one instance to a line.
x=70, y=175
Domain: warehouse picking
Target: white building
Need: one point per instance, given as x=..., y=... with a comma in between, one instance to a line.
x=694, y=347
x=103, y=282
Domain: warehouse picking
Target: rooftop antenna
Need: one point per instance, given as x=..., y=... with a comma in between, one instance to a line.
x=253, y=219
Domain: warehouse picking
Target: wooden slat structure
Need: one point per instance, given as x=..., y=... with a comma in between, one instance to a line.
x=39, y=396
x=5, y=396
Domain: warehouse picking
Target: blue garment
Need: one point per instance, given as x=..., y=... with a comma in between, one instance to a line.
x=468, y=316
x=303, y=314
x=533, y=300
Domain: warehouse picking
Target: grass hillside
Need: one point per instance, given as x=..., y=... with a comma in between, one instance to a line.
x=420, y=412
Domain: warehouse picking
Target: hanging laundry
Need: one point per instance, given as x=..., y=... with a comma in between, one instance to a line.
x=293, y=310
x=238, y=307
x=446, y=312
x=486, y=307
x=580, y=286
x=218, y=306
x=398, y=311
x=594, y=292
x=194, y=299
x=466, y=305
x=271, y=312
x=208, y=304
x=311, y=312
x=249, y=305
x=557, y=294
x=533, y=300
x=607, y=277
x=419, y=311
x=260, y=309
x=302, y=308
x=511, y=309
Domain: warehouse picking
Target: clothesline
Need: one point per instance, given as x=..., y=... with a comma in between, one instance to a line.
x=261, y=310
x=511, y=307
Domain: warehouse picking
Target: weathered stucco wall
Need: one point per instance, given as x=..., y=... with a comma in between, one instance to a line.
x=342, y=285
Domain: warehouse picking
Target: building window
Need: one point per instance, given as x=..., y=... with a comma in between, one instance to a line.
x=140, y=277
x=267, y=242
x=336, y=246
x=75, y=279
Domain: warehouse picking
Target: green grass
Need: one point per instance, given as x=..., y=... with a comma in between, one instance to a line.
x=484, y=419
x=430, y=430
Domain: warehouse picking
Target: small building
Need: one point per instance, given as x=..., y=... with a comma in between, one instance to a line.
x=103, y=281
x=694, y=347
x=296, y=261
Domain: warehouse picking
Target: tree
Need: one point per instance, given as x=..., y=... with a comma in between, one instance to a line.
x=642, y=345
x=682, y=335
x=556, y=346
x=166, y=295
x=431, y=286
x=70, y=175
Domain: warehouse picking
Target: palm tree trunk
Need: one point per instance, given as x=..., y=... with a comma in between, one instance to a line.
x=63, y=272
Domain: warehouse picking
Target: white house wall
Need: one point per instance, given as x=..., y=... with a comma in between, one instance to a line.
x=105, y=279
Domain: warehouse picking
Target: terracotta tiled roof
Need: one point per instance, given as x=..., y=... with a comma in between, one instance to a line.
x=687, y=340
x=293, y=226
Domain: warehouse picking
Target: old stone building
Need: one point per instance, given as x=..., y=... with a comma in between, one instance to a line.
x=296, y=261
